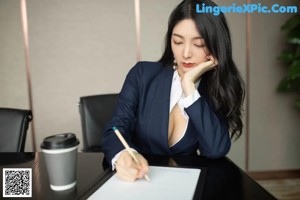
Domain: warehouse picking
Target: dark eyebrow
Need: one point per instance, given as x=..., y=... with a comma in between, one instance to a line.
x=194, y=38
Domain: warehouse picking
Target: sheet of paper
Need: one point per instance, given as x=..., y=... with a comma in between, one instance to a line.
x=166, y=183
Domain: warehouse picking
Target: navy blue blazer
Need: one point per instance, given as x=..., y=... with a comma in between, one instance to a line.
x=142, y=116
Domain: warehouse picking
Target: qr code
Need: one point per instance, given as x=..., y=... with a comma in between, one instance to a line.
x=17, y=182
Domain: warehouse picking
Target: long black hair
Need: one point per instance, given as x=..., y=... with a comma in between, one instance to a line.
x=224, y=87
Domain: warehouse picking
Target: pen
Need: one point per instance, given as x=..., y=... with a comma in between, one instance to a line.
x=128, y=148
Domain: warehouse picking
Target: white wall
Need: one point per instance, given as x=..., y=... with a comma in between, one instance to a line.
x=13, y=82
x=274, y=121
x=82, y=48
x=77, y=49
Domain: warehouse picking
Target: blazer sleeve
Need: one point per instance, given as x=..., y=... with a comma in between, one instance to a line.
x=212, y=132
x=124, y=115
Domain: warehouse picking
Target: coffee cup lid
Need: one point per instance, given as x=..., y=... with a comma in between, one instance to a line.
x=60, y=141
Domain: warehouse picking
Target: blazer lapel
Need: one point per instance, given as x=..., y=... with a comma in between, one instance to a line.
x=159, y=114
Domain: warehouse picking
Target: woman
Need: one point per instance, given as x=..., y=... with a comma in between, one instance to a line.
x=188, y=102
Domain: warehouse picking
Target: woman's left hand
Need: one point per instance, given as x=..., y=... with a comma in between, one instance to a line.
x=189, y=78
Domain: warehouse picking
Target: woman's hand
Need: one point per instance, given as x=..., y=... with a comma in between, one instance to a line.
x=189, y=78
x=128, y=169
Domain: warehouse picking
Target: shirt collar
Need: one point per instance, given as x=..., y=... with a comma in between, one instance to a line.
x=176, y=77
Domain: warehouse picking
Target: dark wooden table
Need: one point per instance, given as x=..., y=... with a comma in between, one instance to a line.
x=220, y=179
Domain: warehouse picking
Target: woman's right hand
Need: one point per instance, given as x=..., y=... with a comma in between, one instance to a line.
x=128, y=169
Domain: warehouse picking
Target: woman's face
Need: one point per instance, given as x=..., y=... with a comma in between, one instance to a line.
x=188, y=46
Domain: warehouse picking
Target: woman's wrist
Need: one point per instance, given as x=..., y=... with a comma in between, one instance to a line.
x=188, y=87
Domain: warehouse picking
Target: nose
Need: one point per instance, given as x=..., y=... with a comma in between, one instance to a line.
x=187, y=52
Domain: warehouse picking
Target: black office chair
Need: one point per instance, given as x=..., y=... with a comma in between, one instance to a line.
x=95, y=111
x=13, y=129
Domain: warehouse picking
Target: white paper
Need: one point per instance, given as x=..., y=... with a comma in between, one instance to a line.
x=166, y=183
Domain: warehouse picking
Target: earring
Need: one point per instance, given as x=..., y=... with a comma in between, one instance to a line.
x=174, y=65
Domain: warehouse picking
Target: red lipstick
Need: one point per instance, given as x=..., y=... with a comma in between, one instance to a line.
x=188, y=65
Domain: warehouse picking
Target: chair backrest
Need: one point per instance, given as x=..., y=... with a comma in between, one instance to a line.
x=95, y=111
x=13, y=129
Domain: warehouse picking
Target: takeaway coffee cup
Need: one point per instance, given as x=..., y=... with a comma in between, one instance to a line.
x=60, y=152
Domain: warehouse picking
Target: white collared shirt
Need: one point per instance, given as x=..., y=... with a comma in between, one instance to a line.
x=178, y=97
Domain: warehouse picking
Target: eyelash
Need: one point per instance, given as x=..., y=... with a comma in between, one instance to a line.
x=199, y=46
x=177, y=42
